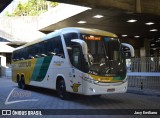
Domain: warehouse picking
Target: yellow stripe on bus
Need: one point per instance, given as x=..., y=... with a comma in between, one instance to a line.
x=24, y=67
x=101, y=79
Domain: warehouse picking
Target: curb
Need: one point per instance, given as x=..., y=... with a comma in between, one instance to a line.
x=148, y=92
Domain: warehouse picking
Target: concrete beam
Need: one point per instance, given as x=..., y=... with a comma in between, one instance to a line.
x=121, y=4
x=4, y=4
x=138, y=6
x=150, y=6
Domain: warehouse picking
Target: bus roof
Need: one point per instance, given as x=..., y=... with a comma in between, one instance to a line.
x=71, y=29
x=89, y=31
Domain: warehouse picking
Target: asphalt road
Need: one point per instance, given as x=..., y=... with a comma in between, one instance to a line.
x=11, y=97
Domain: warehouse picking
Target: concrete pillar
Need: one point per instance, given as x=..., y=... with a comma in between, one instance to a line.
x=142, y=52
x=156, y=53
x=145, y=52
x=2, y=65
x=147, y=47
x=138, y=6
x=156, y=65
x=137, y=53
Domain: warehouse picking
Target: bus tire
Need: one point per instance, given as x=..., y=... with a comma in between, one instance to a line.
x=19, y=83
x=23, y=86
x=61, y=89
x=97, y=96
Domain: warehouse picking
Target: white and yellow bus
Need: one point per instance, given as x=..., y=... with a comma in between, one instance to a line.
x=72, y=60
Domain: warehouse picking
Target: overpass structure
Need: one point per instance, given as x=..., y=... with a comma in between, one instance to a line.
x=4, y=4
x=136, y=6
x=135, y=21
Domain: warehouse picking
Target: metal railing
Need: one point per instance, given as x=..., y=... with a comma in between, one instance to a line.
x=143, y=82
x=145, y=64
x=144, y=73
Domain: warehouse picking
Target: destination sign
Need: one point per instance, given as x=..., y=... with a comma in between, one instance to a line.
x=97, y=38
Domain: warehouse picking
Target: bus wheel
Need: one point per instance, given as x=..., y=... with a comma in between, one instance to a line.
x=61, y=88
x=23, y=86
x=97, y=96
x=21, y=83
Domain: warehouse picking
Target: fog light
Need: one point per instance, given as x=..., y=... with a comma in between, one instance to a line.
x=124, y=88
x=93, y=90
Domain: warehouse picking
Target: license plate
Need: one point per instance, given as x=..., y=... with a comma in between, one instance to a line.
x=111, y=90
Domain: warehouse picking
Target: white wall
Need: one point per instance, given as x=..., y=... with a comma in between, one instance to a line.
x=3, y=65
x=23, y=29
x=142, y=52
x=3, y=60
x=4, y=69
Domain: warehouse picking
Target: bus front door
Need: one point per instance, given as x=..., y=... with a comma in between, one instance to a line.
x=76, y=70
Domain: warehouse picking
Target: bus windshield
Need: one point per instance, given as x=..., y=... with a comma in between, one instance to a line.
x=105, y=56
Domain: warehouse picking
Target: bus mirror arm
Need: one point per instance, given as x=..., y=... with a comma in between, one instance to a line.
x=84, y=47
x=131, y=49
x=84, y=53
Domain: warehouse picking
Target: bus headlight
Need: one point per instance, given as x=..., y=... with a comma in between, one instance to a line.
x=125, y=80
x=90, y=80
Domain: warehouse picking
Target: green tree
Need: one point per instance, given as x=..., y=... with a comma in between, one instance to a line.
x=32, y=8
x=7, y=13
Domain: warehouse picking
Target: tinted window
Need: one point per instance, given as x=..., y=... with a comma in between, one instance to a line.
x=23, y=55
x=76, y=57
x=68, y=37
x=48, y=47
x=58, y=47
x=19, y=55
x=15, y=56
x=31, y=52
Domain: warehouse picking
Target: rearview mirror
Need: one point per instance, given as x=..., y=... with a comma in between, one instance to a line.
x=84, y=47
x=130, y=47
x=80, y=54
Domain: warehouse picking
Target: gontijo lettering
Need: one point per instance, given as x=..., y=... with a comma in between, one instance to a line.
x=25, y=64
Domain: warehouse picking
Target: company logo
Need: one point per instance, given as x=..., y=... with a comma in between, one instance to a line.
x=21, y=94
x=21, y=112
x=18, y=95
x=6, y=112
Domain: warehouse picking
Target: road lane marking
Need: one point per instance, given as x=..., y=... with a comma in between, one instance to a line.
x=16, y=101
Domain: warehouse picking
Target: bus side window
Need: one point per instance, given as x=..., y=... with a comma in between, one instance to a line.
x=23, y=54
x=44, y=48
x=76, y=57
x=31, y=52
x=37, y=50
x=68, y=37
x=50, y=46
x=20, y=55
x=58, y=47
x=15, y=56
